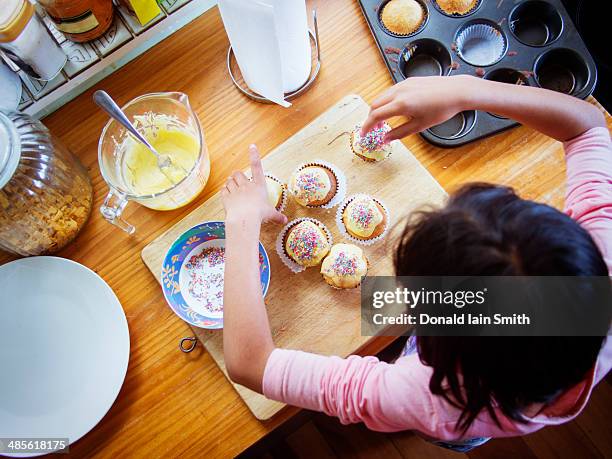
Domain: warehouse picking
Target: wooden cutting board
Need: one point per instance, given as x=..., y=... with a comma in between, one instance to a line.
x=305, y=313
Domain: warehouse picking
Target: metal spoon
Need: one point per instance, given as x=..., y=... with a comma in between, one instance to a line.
x=106, y=103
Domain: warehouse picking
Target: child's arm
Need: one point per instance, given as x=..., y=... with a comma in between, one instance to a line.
x=352, y=388
x=428, y=101
x=247, y=341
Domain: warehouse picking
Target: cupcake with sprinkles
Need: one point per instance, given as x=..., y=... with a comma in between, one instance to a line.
x=303, y=243
x=344, y=267
x=277, y=192
x=363, y=219
x=317, y=184
x=371, y=147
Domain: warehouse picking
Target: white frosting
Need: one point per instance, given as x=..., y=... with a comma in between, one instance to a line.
x=362, y=216
x=310, y=184
x=344, y=266
x=275, y=191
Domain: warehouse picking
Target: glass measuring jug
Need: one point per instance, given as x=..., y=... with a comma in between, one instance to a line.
x=131, y=171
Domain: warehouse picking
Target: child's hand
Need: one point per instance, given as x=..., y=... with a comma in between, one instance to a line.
x=248, y=199
x=425, y=101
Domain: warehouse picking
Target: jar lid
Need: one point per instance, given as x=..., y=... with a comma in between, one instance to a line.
x=14, y=16
x=10, y=149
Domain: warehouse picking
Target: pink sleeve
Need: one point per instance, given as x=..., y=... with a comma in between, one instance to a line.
x=588, y=197
x=589, y=201
x=385, y=397
x=355, y=389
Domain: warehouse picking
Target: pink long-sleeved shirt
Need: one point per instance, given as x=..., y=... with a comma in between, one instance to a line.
x=393, y=397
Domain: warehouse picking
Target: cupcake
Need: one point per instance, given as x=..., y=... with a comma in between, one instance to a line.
x=276, y=192
x=371, y=147
x=364, y=218
x=306, y=242
x=344, y=266
x=402, y=17
x=313, y=185
x=459, y=7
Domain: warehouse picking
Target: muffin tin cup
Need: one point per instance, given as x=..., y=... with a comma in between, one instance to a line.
x=340, y=182
x=562, y=70
x=283, y=203
x=280, y=242
x=540, y=41
x=344, y=231
x=535, y=23
x=424, y=57
x=363, y=158
x=481, y=43
x=456, y=127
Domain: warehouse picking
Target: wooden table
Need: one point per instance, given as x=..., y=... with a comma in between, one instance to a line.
x=173, y=403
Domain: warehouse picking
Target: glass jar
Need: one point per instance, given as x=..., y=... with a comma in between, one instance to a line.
x=45, y=192
x=80, y=20
x=27, y=43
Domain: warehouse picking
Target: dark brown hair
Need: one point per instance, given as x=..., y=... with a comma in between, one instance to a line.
x=487, y=230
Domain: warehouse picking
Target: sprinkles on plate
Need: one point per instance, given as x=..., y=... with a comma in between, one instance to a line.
x=205, y=281
x=212, y=256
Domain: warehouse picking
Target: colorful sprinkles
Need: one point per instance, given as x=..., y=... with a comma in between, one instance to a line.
x=362, y=212
x=205, y=278
x=304, y=241
x=375, y=138
x=310, y=184
x=344, y=264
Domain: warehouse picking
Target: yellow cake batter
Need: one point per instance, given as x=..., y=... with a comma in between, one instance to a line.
x=141, y=171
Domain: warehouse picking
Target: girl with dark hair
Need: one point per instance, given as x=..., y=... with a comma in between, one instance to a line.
x=458, y=391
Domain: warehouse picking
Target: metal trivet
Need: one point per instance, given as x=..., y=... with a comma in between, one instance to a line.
x=314, y=72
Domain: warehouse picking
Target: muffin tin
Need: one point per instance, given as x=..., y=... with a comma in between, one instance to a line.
x=533, y=42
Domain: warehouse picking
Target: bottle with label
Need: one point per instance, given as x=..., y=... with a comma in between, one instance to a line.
x=80, y=20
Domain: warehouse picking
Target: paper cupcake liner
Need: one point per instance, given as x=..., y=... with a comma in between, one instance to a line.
x=364, y=158
x=340, y=182
x=344, y=231
x=404, y=35
x=457, y=15
x=280, y=239
x=284, y=194
x=480, y=44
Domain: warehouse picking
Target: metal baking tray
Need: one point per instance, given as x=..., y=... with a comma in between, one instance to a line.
x=542, y=48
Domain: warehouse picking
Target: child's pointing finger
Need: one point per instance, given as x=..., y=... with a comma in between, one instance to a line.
x=256, y=167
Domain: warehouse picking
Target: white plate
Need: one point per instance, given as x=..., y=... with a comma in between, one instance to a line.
x=64, y=348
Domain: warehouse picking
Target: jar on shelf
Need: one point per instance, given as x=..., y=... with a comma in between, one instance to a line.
x=45, y=192
x=27, y=43
x=80, y=20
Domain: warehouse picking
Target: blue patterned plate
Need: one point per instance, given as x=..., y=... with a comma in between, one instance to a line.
x=192, y=275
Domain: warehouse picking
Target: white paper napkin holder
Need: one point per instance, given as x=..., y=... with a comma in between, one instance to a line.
x=238, y=81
